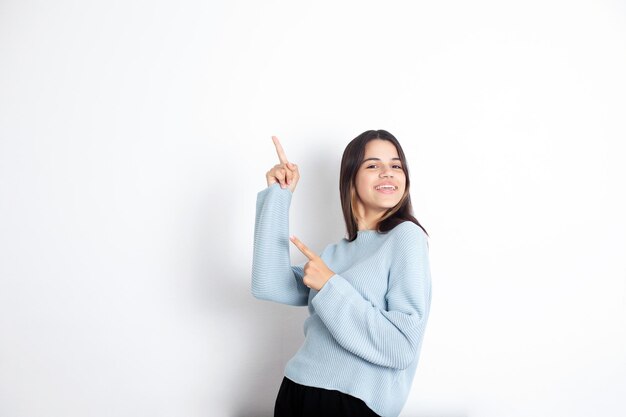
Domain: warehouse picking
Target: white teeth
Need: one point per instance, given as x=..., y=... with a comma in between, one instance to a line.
x=388, y=187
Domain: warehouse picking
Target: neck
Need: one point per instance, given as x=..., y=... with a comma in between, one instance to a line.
x=368, y=221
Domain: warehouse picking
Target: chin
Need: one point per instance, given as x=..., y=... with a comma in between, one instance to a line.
x=389, y=206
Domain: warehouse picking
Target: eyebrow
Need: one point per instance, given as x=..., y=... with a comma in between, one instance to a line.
x=378, y=159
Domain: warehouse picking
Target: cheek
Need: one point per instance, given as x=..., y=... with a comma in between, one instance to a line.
x=402, y=179
x=360, y=183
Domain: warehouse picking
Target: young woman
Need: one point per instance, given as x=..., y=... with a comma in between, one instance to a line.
x=368, y=295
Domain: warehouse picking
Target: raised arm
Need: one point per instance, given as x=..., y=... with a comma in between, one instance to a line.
x=273, y=277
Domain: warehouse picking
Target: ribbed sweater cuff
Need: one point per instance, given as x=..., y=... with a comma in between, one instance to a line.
x=336, y=289
x=272, y=188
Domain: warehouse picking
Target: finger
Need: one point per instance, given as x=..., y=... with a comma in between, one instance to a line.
x=306, y=281
x=292, y=172
x=279, y=150
x=280, y=176
x=288, y=175
x=295, y=171
x=271, y=179
x=306, y=251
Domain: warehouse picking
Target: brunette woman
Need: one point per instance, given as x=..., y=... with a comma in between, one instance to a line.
x=368, y=295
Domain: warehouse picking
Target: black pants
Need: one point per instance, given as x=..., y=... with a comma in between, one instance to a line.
x=295, y=400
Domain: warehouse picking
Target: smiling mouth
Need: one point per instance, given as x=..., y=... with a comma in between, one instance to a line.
x=386, y=188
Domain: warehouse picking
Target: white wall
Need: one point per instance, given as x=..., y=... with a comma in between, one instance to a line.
x=134, y=136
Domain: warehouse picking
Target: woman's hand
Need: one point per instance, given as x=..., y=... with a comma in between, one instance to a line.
x=285, y=173
x=316, y=273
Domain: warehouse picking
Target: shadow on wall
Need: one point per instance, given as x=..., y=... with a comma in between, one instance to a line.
x=244, y=379
x=251, y=340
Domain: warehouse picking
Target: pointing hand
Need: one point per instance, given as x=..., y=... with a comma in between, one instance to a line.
x=316, y=273
x=285, y=173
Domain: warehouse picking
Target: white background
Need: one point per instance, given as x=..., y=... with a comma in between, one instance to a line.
x=134, y=136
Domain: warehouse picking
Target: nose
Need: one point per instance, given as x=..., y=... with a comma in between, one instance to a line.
x=386, y=172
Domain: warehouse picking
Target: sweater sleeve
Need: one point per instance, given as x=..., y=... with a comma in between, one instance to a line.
x=273, y=277
x=387, y=337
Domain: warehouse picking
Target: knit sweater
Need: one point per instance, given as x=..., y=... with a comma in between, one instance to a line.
x=366, y=324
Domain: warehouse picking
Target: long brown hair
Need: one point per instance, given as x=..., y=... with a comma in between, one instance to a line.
x=350, y=162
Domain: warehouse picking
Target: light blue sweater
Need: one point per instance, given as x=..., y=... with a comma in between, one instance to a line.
x=366, y=324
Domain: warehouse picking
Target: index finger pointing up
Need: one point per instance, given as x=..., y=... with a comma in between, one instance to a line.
x=279, y=150
x=306, y=251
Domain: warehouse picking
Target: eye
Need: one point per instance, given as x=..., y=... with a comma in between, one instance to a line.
x=398, y=166
x=371, y=166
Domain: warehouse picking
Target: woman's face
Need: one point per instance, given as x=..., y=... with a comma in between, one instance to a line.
x=380, y=180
